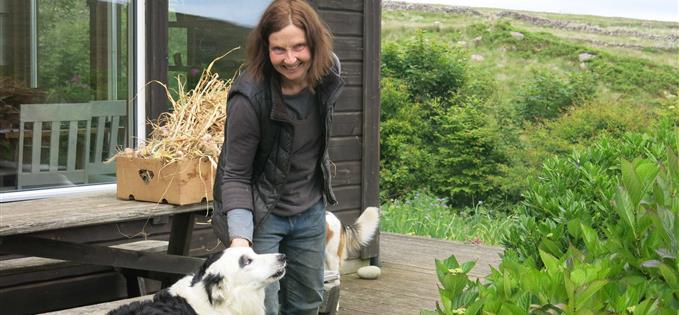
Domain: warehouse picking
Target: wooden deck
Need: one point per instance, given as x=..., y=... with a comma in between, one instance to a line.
x=408, y=282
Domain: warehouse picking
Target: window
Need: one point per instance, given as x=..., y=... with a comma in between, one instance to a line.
x=201, y=30
x=63, y=91
x=69, y=79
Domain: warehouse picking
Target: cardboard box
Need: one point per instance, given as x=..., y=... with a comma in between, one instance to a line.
x=180, y=183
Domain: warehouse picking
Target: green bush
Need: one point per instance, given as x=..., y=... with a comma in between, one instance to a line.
x=629, y=266
x=430, y=69
x=405, y=159
x=466, y=157
x=547, y=95
x=436, y=132
x=577, y=190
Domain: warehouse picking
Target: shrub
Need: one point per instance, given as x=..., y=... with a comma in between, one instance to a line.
x=630, y=266
x=404, y=156
x=466, y=154
x=578, y=189
x=546, y=95
x=429, y=69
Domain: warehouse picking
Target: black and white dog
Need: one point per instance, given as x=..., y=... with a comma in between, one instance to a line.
x=231, y=282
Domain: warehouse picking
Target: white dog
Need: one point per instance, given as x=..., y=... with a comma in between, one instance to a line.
x=344, y=240
x=231, y=282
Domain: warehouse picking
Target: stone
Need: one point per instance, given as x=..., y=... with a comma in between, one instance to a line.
x=517, y=35
x=369, y=272
x=585, y=56
x=476, y=57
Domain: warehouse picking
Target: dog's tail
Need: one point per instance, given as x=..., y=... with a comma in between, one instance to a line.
x=361, y=232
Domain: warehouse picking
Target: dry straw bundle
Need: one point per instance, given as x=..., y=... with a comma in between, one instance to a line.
x=194, y=129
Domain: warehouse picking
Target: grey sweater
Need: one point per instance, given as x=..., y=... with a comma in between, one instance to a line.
x=303, y=187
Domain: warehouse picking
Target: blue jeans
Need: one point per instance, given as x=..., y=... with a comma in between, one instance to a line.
x=302, y=239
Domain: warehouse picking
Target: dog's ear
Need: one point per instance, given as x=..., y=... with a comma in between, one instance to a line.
x=215, y=288
x=198, y=276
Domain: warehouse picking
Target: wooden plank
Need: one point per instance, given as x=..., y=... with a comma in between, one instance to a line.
x=71, y=292
x=25, y=264
x=101, y=308
x=347, y=124
x=347, y=173
x=352, y=73
x=74, y=211
x=345, y=149
x=349, y=48
x=439, y=249
x=99, y=255
x=156, y=58
x=349, y=5
x=371, y=105
x=343, y=23
x=347, y=216
x=405, y=287
x=351, y=100
x=348, y=198
x=371, y=113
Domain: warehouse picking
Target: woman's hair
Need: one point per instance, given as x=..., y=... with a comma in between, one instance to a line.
x=277, y=16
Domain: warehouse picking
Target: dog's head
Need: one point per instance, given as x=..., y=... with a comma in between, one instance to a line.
x=238, y=268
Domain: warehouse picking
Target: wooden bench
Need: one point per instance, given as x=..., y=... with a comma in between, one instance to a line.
x=101, y=308
x=51, y=229
x=137, y=285
x=29, y=264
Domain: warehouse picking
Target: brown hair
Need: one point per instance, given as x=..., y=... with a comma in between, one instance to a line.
x=277, y=16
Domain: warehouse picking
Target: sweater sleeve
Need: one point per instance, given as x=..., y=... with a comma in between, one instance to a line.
x=241, y=139
x=240, y=224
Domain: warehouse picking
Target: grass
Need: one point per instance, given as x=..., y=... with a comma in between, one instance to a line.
x=426, y=215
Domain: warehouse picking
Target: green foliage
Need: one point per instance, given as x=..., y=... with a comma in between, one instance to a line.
x=64, y=51
x=547, y=95
x=429, y=69
x=466, y=155
x=578, y=190
x=628, y=264
x=405, y=158
x=426, y=215
x=435, y=130
x=629, y=75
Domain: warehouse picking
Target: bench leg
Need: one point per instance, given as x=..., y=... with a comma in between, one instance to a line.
x=180, y=239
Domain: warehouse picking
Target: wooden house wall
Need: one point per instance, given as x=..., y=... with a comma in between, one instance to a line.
x=354, y=148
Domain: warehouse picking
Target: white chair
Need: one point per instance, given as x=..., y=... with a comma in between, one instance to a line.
x=72, y=119
x=107, y=140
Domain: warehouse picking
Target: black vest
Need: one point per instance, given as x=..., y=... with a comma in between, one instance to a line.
x=272, y=159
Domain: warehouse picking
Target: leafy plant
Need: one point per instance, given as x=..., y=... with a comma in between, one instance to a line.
x=578, y=189
x=547, y=95
x=430, y=69
x=630, y=268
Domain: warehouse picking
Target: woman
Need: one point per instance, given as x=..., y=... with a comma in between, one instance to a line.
x=274, y=165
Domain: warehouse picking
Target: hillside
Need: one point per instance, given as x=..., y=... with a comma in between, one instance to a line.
x=474, y=101
x=652, y=40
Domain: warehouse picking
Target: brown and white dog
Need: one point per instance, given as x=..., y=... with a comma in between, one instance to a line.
x=344, y=240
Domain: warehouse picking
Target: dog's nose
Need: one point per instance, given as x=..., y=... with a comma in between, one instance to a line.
x=281, y=257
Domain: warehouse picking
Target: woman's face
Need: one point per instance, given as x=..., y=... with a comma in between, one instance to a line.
x=290, y=55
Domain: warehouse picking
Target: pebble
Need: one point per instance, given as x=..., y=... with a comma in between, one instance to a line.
x=369, y=272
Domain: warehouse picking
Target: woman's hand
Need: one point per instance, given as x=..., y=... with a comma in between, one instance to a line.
x=239, y=242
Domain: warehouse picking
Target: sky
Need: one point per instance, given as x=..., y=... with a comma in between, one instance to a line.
x=660, y=10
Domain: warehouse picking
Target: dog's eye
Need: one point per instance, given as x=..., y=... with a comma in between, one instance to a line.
x=244, y=261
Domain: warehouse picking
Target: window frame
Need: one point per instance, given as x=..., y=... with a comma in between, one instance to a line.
x=136, y=11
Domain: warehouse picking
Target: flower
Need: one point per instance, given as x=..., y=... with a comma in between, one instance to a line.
x=455, y=271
